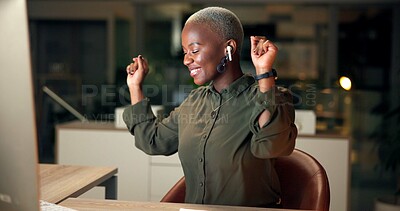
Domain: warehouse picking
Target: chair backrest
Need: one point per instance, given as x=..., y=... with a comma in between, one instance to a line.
x=304, y=183
x=177, y=193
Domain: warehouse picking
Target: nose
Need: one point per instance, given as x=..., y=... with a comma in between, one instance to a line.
x=187, y=60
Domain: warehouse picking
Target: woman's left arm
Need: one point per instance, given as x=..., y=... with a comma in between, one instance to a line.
x=263, y=54
x=277, y=133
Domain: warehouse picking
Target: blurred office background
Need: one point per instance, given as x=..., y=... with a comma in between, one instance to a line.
x=80, y=49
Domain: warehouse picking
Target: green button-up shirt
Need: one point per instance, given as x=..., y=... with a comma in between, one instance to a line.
x=226, y=157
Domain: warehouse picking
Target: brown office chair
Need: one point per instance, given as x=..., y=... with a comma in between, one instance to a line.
x=304, y=183
x=177, y=193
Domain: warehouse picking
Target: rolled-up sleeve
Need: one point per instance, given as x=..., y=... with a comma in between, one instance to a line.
x=151, y=136
x=138, y=113
x=277, y=136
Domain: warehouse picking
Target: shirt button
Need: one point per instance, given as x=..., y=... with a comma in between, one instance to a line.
x=213, y=114
x=204, y=136
x=201, y=184
x=201, y=159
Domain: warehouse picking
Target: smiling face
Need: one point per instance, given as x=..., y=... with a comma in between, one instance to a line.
x=203, y=50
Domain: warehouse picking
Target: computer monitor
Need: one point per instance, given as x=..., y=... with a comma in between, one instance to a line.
x=19, y=189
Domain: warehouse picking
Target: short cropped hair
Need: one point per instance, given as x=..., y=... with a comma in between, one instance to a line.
x=224, y=22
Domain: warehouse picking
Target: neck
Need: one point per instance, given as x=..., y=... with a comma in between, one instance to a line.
x=232, y=73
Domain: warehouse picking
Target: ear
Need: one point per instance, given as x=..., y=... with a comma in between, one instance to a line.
x=233, y=44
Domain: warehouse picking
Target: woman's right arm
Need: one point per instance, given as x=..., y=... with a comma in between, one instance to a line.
x=151, y=136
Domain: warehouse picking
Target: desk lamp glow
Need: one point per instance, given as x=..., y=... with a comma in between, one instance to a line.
x=345, y=83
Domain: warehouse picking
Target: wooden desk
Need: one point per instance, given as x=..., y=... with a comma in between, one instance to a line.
x=58, y=182
x=110, y=205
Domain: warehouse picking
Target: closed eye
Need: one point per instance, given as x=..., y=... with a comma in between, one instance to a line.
x=191, y=52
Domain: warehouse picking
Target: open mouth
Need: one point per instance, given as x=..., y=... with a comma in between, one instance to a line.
x=194, y=72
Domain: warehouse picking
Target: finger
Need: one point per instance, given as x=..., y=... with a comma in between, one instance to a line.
x=253, y=42
x=257, y=44
x=145, y=65
x=140, y=63
x=130, y=69
x=269, y=46
x=261, y=48
x=273, y=46
x=133, y=66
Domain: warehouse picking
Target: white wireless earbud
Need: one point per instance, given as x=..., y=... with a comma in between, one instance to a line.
x=229, y=49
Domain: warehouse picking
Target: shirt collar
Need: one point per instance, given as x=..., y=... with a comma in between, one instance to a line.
x=237, y=87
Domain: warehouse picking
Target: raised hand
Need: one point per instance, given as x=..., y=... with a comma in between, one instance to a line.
x=137, y=71
x=263, y=53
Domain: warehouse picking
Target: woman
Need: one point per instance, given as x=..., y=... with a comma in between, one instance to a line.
x=227, y=133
